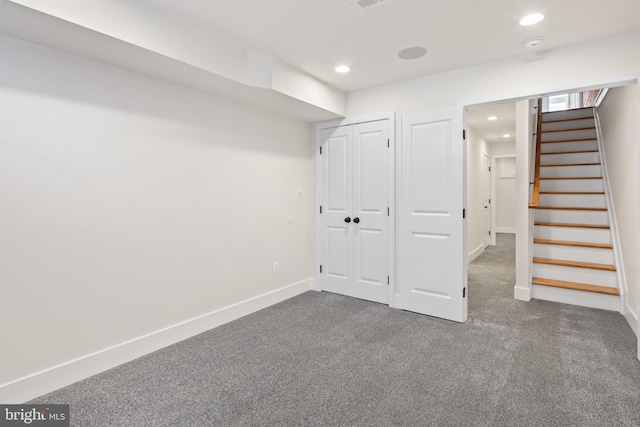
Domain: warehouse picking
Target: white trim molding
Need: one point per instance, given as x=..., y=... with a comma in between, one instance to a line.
x=48, y=380
x=475, y=253
x=632, y=319
x=509, y=230
x=521, y=294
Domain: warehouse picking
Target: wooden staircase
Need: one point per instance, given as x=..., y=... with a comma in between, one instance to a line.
x=573, y=260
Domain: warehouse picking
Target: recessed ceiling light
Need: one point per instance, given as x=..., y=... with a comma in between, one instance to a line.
x=343, y=69
x=533, y=43
x=506, y=135
x=492, y=118
x=534, y=18
x=412, y=52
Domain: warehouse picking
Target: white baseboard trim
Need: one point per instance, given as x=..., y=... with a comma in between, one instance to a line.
x=475, y=253
x=569, y=296
x=632, y=319
x=521, y=294
x=48, y=380
x=505, y=230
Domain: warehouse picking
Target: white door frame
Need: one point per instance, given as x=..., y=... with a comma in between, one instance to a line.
x=391, y=118
x=522, y=289
x=494, y=191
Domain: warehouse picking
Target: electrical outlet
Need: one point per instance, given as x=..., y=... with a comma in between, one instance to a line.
x=276, y=267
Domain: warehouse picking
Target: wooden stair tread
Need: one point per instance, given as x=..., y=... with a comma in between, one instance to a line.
x=567, y=224
x=567, y=130
x=568, y=140
x=570, y=152
x=570, y=164
x=573, y=177
x=575, y=286
x=575, y=244
x=578, y=264
x=571, y=192
x=571, y=208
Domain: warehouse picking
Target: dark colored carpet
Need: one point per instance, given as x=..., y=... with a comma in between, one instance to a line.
x=324, y=359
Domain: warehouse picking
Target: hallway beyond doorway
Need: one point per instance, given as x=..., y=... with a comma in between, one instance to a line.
x=492, y=275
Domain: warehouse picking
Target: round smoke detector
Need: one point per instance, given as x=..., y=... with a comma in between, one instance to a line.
x=533, y=43
x=412, y=53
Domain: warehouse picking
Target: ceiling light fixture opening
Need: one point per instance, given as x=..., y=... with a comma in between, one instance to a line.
x=492, y=118
x=534, y=18
x=412, y=52
x=343, y=69
x=533, y=43
x=506, y=135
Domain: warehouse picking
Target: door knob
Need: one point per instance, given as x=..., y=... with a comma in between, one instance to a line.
x=347, y=220
x=356, y=220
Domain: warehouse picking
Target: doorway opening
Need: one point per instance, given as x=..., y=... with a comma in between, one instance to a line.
x=491, y=193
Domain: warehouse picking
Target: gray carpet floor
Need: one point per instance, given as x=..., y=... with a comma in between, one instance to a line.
x=324, y=359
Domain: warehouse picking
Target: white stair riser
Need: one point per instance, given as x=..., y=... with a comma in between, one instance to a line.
x=573, y=200
x=572, y=217
x=568, y=135
x=555, y=159
x=573, y=253
x=571, y=185
x=570, y=171
x=566, y=115
x=573, y=124
x=569, y=296
x=573, y=234
x=569, y=146
x=575, y=274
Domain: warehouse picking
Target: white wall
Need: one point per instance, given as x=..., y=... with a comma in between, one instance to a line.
x=476, y=148
x=504, y=199
x=508, y=78
x=503, y=148
x=619, y=122
x=505, y=196
x=130, y=205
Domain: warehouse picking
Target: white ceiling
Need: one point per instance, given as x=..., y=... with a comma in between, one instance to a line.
x=493, y=131
x=317, y=35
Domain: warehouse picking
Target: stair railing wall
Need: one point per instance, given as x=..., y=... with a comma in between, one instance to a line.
x=536, y=168
x=617, y=254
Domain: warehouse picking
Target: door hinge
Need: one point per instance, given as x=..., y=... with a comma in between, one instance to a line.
x=321, y=150
x=464, y=134
x=464, y=213
x=320, y=268
x=388, y=143
x=387, y=280
x=489, y=201
x=388, y=211
x=464, y=292
x=489, y=168
x=489, y=232
x=320, y=208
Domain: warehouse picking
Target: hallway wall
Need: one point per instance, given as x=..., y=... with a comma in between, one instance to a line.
x=476, y=147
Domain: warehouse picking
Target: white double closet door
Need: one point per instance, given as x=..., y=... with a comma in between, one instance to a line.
x=355, y=210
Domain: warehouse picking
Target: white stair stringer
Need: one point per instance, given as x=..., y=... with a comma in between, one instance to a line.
x=575, y=260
